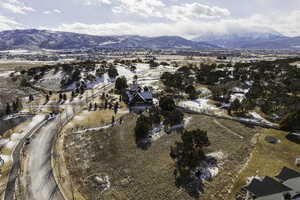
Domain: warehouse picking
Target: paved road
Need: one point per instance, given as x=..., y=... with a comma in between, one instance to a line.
x=40, y=181
x=14, y=171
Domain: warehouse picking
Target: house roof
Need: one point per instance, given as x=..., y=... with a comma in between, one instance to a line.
x=296, y=197
x=267, y=186
x=134, y=87
x=287, y=173
x=293, y=183
x=146, y=95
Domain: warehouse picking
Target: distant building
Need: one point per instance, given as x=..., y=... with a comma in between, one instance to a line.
x=137, y=98
x=286, y=186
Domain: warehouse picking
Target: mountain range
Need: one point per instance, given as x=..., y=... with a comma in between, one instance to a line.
x=251, y=40
x=44, y=39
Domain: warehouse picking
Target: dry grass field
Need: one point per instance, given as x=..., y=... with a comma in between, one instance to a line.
x=268, y=159
x=148, y=174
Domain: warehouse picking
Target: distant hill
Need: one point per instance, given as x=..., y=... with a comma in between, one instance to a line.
x=43, y=39
x=252, y=40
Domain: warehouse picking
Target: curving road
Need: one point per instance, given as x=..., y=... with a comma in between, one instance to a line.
x=38, y=177
x=40, y=182
x=14, y=171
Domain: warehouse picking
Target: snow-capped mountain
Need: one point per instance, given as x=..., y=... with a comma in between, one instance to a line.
x=43, y=39
x=257, y=40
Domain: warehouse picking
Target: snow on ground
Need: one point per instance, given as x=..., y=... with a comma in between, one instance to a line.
x=14, y=139
x=219, y=155
x=187, y=121
x=213, y=171
x=147, y=82
x=125, y=72
x=142, y=67
x=238, y=96
x=257, y=117
x=6, y=74
x=6, y=158
x=204, y=92
x=198, y=105
x=3, y=142
x=94, y=129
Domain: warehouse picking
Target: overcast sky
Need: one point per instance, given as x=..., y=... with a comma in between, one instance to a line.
x=187, y=18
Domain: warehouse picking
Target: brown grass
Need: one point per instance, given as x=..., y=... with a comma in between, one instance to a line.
x=114, y=152
x=268, y=159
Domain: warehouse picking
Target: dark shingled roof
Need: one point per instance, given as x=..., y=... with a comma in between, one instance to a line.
x=297, y=196
x=287, y=173
x=267, y=186
x=146, y=95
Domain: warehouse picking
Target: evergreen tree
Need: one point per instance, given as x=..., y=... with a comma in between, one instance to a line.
x=188, y=153
x=116, y=107
x=142, y=128
x=105, y=104
x=113, y=120
x=8, y=110
x=31, y=98
x=15, y=106
x=47, y=98
x=60, y=97
x=290, y=122
x=64, y=97
x=121, y=84
x=167, y=103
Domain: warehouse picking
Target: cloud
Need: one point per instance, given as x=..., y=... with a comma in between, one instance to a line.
x=96, y=2
x=7, y=23
x=146, y=8
x=16, y=6
x=57, y=11
x=188, y=28
x=48, y=12
x=156, y=8
x=195, y=11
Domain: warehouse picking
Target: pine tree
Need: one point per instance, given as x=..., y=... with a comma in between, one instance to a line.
x=113, y=120
x=31, y=98
x=65, y=97
x=116, y=107
x=90, y=107
x=60, y=97
x=15, y=106
x=8, y=111
x=105, y=104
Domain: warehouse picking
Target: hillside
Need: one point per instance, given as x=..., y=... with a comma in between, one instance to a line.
x=252, y=40
x=42, y=39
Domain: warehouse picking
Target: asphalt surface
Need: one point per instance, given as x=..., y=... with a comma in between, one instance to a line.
x=40, y=181
x=14, y=171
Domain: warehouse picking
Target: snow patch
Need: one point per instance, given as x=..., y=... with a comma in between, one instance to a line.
x=6, y=158
x=199, y=105
x=6, y=74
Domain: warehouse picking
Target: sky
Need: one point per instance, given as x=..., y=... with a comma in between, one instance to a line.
x=186, y=18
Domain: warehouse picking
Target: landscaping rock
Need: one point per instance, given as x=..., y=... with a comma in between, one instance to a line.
x=102, y=182
x=272, y=140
